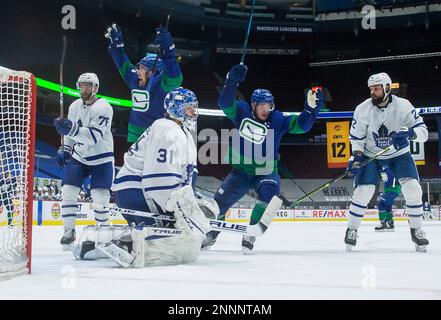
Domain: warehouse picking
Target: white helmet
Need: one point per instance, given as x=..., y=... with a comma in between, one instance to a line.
x=90, y=78
x=383, y=79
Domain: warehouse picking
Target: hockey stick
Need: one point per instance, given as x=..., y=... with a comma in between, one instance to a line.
x=149, y=84
x=327, y=184
x=256, y=230
x=63, y=55
x=245, y=43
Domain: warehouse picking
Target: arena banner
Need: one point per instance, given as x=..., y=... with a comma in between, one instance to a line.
x=338, y=147
x=284, y=28
x=48, y=213
x=243, y=215
x=417, y=152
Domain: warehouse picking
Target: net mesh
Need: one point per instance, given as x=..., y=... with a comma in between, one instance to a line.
x=15, y=153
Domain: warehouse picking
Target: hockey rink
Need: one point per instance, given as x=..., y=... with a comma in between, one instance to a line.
x=293, y=260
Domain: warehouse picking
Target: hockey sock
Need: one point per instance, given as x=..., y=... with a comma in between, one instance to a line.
x=382, y=216
x=412, y=193
x=69, y=214
x=389, y=216
x=257, y=212
x=102, y=197
x=358, y=207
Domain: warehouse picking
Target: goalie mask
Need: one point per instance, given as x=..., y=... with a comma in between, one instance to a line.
x=182, y=105
x=91, y=79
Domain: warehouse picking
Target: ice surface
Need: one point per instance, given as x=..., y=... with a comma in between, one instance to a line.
x=293, y=260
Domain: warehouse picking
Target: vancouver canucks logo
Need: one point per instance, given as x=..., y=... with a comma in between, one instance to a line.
x=140, y=100
x=384, y=138
x=253, y=131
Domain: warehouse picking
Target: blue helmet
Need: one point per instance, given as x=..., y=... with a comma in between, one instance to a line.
x=177, y=101
x=149, y=60
x=262, y=96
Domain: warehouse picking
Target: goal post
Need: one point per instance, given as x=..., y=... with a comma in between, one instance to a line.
x=18, y=96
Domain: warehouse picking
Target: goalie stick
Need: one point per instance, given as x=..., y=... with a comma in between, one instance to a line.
x=256, y=230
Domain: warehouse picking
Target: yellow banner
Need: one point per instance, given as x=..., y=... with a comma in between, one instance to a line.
x=338, y=148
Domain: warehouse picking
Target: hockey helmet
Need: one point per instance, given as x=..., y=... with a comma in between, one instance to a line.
x=381, y=79
x=263, y=96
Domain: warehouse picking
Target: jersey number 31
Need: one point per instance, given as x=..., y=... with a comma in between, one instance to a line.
x=162, y=156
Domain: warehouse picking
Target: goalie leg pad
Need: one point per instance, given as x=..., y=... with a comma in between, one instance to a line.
x=208, y=206
x=187, y=212
x=139, y=247
x=171, y=250
x=117, y=254
x=98, y=236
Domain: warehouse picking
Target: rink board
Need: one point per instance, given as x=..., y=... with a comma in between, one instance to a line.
x=49, y=213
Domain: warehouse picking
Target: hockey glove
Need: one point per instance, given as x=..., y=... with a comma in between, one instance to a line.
x=115, y=37
x=355, y=164
x=400, y=139
x=164, y=40
x=64, y=126
x=64, y=155
x=314, y=101
x=236, y=74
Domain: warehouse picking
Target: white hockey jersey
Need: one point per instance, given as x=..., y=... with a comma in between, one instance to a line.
x=91, y=137
x=162, y=160
x=372, y=127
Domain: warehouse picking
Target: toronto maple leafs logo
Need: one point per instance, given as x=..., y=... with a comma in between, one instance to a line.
x=384, y=138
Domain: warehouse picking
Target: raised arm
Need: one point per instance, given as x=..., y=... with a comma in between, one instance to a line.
x=227, y=98
x=122, y=62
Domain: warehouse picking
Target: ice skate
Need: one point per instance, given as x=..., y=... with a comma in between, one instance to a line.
x=419, y=238
x=67, y=239
x=248, y=244
x=385, y=226
x=350, y=238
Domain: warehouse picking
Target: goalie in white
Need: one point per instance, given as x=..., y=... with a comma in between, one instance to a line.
x=156, y=177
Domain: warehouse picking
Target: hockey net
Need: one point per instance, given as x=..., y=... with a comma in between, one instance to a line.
x=17, y=144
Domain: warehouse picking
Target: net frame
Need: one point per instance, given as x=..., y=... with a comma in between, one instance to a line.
x=16, y=259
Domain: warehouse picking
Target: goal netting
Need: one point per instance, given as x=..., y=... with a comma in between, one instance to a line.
x=17, y=128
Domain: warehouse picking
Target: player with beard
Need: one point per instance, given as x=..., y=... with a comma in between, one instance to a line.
x=382, y=121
